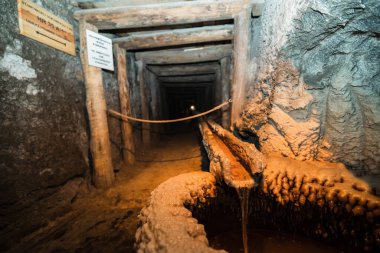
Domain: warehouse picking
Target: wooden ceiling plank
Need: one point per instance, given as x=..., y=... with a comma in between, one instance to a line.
x=185, y=55
x=175, y=37
x=150, y=15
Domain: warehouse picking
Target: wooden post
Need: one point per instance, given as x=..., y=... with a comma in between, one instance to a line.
x=144, y=103
x=241, y=52
x=125, y=105
x=225, y=83
x=103, y=175
x=154, y=94
x=218, y=88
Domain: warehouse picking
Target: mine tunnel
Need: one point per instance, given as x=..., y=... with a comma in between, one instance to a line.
x=190, y=126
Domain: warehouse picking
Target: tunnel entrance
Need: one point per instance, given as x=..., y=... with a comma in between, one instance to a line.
x=201, y=67
x=184, y=90
x=168, y=56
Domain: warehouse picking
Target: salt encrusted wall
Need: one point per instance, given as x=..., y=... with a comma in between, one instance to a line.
x=315, y=90
x=43, y=128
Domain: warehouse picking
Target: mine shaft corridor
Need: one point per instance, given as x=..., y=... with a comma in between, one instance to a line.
x=190, y=126
x=167, y=70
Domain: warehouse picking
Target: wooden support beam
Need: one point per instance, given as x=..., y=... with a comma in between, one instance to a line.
x=150, y=15
x=241, y=61
x=144, y=103
x=100, y=147
x=257, y=5
x=86, y=4
x=179, y=70
x=217, y=95
x=225, y=67
x=154, y=95
x=175, y=37
x=184, y=85
x=257, y=8
x=186, y=79
x=185, y=55
x=125, y=105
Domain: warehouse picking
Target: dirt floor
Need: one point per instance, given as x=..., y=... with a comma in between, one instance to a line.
x=106, y=221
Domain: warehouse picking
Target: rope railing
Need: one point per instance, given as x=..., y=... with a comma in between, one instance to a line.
x=126, y=117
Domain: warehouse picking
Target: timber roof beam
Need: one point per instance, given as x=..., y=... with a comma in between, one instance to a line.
x=185, y=55
x=179, y=70
x=151, y=15
x=188, y=79
x=175, y=37
x=186, y=85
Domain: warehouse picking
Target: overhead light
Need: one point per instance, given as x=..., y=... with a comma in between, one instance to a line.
x=192, y=108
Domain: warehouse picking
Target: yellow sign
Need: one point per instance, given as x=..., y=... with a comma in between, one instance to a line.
x=39, y=24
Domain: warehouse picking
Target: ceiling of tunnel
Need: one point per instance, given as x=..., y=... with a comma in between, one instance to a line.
x=182, y=59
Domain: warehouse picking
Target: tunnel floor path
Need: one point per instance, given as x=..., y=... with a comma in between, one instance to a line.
x=106, y=220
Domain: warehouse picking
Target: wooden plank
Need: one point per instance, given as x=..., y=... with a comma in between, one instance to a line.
x=144, y=103
x=125, y=105
x=100, y=146
x=154, y=94
x=41, y=25
x=86, y=4
x=185, y=55
x=192, y=69
x=241, y=52
x=186, y=79
x=217, y=95
x=225, y=68
x=162, y=14
x=184, y=85
x=175, y=37
x=256, y=8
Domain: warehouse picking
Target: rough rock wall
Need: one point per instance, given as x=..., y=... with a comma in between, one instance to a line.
x=43, y=135
x=316, y=92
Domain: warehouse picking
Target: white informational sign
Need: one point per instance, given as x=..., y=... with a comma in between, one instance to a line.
x=99, y=49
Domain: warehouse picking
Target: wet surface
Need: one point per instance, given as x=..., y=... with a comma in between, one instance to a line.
x=266, y=241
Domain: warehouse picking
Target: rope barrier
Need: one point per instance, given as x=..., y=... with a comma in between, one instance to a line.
x=126, y=117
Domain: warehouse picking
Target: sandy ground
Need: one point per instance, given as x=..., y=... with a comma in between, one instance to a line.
x=106, y=221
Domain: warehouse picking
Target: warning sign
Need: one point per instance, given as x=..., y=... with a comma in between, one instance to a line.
x=39, y=24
